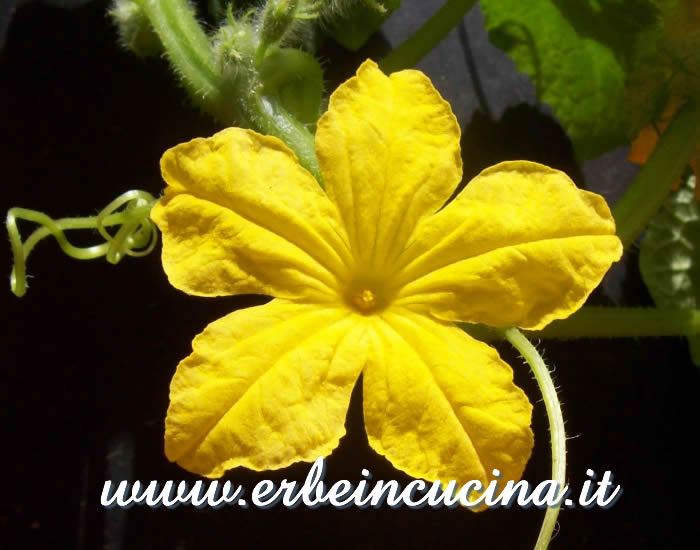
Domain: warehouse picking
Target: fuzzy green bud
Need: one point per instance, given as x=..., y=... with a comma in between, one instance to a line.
x=234, y=45
x=135, y=31
x=277, y=18
x=352, y=22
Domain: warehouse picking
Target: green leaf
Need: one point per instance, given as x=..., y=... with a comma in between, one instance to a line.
x=577, y=53
x=666, y=61
x=669, y=259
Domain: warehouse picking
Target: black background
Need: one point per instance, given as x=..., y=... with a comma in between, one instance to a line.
x=91, y=348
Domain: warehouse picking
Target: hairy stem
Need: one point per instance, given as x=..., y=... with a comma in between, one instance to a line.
x=189, y=50
x=270, y=117
x=556, y=426
x=230, y=101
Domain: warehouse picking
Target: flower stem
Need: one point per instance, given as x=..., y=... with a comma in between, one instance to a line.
x=427, y=37
x=648, y=191
x=267, y=115
x=624, y=322
x=556, y=426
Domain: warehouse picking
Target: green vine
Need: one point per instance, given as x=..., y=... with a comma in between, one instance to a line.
x=624, y=322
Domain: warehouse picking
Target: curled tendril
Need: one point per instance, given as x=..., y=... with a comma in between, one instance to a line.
x=136, y=235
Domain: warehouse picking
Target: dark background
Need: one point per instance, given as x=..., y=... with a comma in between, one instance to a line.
x=90, y=350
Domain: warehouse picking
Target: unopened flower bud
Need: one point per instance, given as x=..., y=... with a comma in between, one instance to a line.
x=277, y=19
x=135, y=31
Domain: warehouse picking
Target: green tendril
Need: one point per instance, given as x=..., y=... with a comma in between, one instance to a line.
x=136, y=236
x=556, y=427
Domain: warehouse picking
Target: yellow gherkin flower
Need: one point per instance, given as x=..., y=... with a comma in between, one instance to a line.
x=368, y=278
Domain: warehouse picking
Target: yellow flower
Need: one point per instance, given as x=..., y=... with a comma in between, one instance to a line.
x=368, y=277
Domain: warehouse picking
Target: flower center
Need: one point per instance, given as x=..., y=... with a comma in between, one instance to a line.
x=367, y=295
x=365, y=300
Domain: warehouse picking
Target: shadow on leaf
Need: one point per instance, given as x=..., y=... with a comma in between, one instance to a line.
x=522, y=133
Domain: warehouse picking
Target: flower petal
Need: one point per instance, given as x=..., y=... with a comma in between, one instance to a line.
x=520, y=246
x=388, y=149
x=441, y=405
x=264, y=387
x=240, y=215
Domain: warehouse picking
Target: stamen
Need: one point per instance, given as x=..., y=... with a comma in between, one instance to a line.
x=365, y=300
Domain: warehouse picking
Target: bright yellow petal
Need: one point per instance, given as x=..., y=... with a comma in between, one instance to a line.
x=263, y=388
x=240, y=215
x=441, y=405
x=388, y=149
x=520, y=246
